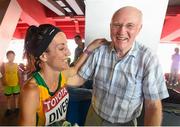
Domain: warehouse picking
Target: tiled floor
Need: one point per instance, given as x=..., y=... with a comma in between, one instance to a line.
x=10, y=120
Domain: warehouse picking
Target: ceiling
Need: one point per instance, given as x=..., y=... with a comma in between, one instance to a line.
x=69, y=15
x=171, y=28
x=174, y=2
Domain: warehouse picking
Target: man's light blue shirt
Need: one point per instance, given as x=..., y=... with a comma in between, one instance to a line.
x=121, y=85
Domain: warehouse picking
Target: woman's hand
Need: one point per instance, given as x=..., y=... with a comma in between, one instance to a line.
x=96, y=43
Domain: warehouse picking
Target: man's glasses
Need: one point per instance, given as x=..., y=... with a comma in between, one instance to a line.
x=128, y=26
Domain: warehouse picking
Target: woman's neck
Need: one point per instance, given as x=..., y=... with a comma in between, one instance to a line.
x=51, y=79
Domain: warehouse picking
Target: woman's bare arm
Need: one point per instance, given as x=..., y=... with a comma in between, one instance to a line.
x=29, y=102
x=73, y=78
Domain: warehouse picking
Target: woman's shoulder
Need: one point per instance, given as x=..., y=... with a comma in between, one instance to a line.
x=30, y=95
x=30, y=86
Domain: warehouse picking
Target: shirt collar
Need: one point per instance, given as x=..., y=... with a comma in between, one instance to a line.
x=132, y=52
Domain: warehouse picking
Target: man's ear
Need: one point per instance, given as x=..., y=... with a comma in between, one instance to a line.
x=43, y=57
x=140, y=27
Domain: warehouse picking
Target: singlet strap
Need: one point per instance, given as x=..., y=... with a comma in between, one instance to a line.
x=40, y=81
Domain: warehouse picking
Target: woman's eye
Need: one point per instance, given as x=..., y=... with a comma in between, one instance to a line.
x=61, y=49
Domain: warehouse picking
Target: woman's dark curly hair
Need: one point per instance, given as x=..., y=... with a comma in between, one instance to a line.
x=37, y=40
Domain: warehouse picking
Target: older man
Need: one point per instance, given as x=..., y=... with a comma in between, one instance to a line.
x=125, y=74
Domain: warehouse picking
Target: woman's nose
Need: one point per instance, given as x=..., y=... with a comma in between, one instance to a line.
x=68, y=53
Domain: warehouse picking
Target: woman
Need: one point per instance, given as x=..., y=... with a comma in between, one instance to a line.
x=44, y=97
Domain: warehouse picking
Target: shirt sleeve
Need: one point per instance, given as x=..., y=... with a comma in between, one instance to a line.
x=154, y=86
x=88, y=69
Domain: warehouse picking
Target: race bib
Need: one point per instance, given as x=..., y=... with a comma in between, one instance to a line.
x=55, y=107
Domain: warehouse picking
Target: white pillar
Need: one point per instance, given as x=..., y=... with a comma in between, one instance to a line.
x=8, y=26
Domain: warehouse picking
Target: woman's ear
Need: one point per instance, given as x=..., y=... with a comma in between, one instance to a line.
x=43, y=57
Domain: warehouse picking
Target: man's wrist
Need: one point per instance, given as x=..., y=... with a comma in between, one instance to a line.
x=88, y=52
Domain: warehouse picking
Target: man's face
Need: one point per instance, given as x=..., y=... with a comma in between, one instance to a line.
x=125, y=26
x=177, y=50
x=11, y=57
x=78, y=40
